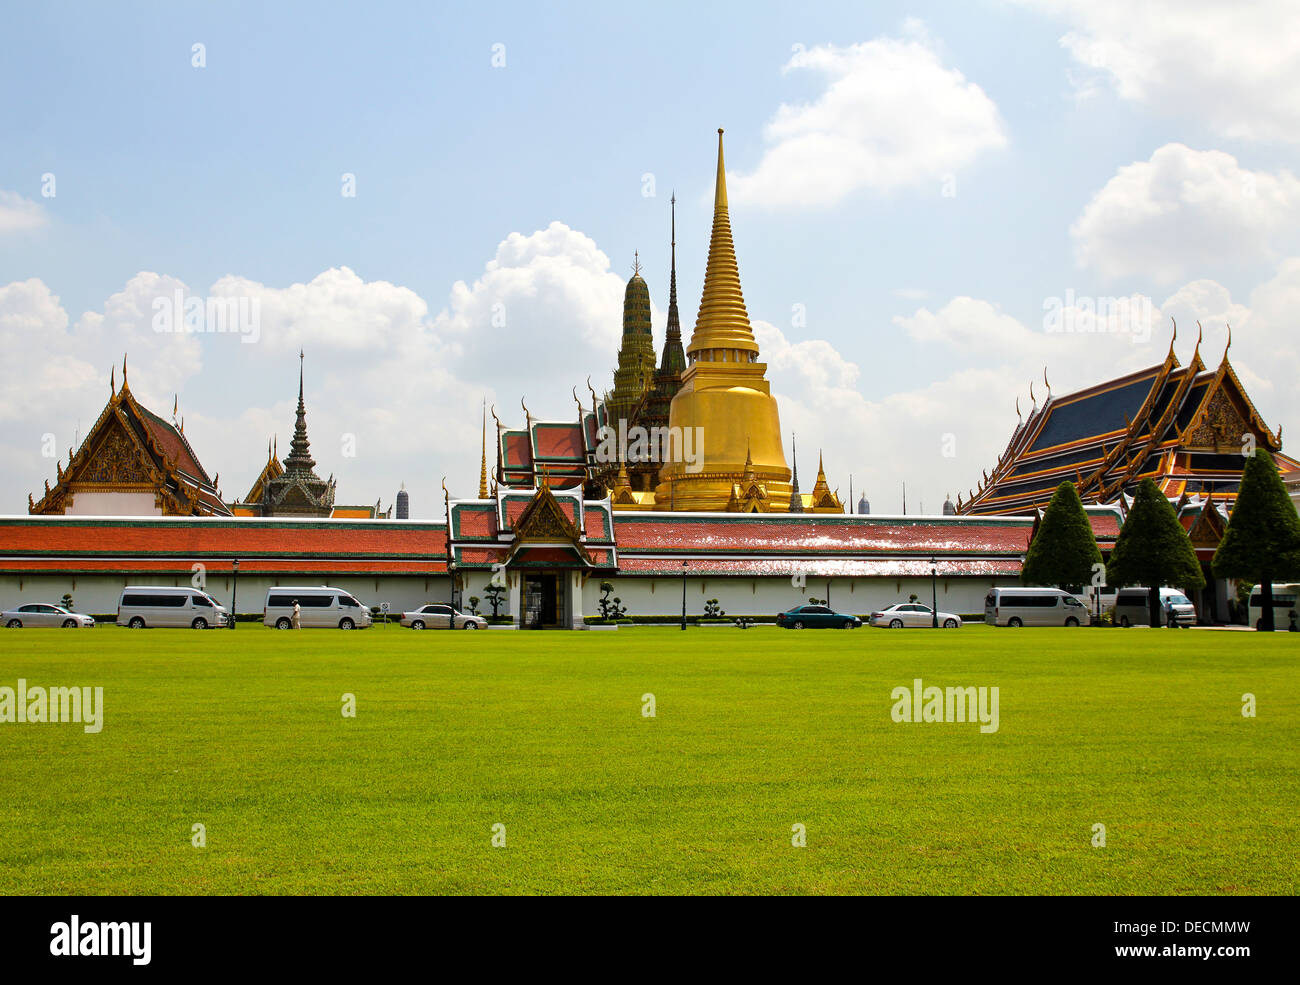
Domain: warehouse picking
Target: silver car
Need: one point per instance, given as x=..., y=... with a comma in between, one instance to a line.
x=43, y=614
x=437, y=615
x=911, y=615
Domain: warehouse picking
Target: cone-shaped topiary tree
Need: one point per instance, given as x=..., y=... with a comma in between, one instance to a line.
x=1153, y=549
x=1063, y=551
x=1262, y=542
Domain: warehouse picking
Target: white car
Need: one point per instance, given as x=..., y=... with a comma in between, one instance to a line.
x=913, y=614
x=437, y=615
x=42, y=614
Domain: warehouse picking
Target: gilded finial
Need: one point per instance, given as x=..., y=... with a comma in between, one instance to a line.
x=1229, y=345
x=527, y=416
x=112, y=381
x=482, y=472
x=1045, y=383
x=1200, y=332
x=1173, y=337
x=1018, y=417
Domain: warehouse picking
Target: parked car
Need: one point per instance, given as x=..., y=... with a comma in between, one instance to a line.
x=1133, y=607
x=1033, y=607
x=43, y=614
x=816, y=617
x=166, y=606
x=913, y=614
x=319, y=607
x=436, y=615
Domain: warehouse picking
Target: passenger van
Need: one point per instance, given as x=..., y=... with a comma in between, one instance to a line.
x=1132, y=607
x=320, y=607
x=1284, y=602
x=167, y=606
x=1033, y=607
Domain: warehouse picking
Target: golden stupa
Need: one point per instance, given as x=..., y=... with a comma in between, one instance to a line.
x=740, y=463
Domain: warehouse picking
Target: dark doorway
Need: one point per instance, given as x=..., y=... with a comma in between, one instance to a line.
x=543, y=601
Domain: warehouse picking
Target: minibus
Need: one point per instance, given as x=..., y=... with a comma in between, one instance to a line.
x=166, y=606
x=1284, y=602
x=1133, y=607
x=319, y=607
x=1033, y=607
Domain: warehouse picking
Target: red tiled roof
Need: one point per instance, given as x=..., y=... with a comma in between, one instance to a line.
x=821, y=535
x=559, y=441
x=1105, y=526
x=516, y=451
x=222, y=537
x=173, y=444
x=221, y=566
x=820, y=568
x=596, y=523
x=475, y=522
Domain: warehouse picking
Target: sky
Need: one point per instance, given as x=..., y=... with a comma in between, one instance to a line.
x=440, y=206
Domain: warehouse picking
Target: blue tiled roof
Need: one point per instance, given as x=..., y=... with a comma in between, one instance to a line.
x=1095, y=414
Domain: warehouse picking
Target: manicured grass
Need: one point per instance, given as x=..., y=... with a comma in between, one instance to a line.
x=755, y=731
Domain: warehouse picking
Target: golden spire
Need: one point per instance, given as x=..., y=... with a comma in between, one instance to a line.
x=723, y=322
x=482, y=472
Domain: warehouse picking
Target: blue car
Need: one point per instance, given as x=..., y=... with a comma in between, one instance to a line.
x=816, y=617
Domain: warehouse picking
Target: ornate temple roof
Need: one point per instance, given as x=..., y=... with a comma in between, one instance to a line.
x=1183, y=426
x=130, y=448
x=542, y=527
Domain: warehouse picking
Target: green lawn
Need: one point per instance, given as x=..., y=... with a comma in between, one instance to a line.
x=755, y=731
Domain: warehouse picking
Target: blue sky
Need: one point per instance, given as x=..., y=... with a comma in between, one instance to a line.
x=974, y=168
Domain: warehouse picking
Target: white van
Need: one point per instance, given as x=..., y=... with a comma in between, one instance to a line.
x=1033, y=607
x=1133, y=607
x=1284, y=602
x=320, y=607
x=166, y=606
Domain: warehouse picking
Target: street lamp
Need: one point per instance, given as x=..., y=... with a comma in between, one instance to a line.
x=234, y=590
x=934, y=592
x=683, y=595
x=451, y=575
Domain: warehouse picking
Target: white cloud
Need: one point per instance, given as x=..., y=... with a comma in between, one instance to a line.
x=1233, y=66
x=892, y=115
x=18, y=214
x=336, y=310
x=1184, y=212
x=383, y=376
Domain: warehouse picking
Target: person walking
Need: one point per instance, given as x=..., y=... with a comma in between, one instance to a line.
x=297, y=615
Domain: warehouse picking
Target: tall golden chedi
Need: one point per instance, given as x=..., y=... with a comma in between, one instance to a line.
x=737, y=462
